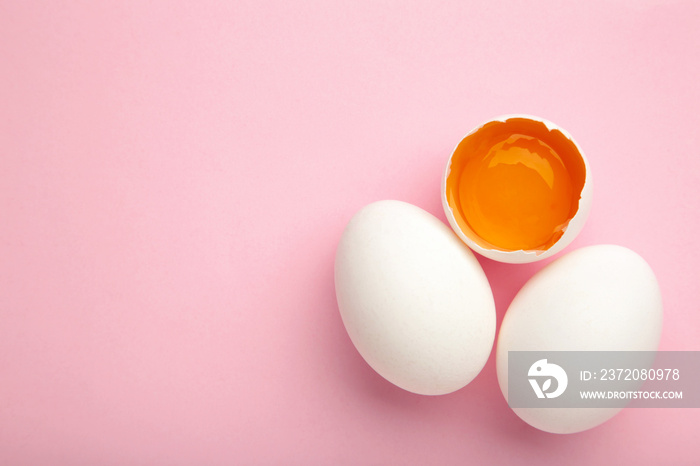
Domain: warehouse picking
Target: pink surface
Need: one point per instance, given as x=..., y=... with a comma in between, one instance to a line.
x=175, y=176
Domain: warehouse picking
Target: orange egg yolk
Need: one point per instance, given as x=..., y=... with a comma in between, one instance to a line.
x=517, y=193
x=515, y=184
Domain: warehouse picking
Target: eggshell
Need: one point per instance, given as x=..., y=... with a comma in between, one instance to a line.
x=597, y=298
x=571, y=230
x=413, y=298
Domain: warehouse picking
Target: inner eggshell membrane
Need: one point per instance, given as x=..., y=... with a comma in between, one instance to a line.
x=515, y=185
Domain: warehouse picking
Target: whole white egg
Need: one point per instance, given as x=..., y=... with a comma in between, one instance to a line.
x=597, y=298
x=414, y=299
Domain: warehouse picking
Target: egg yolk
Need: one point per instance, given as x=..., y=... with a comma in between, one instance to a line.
x=517, y=193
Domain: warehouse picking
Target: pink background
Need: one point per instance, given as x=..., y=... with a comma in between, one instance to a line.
x=175, y=177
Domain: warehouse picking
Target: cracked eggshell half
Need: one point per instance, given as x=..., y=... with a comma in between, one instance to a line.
x=413, y=298
x=541, y=176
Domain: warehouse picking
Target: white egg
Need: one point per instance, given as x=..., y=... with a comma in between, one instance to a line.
x=414, y=299
x=597, y=298
x=510, y=209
